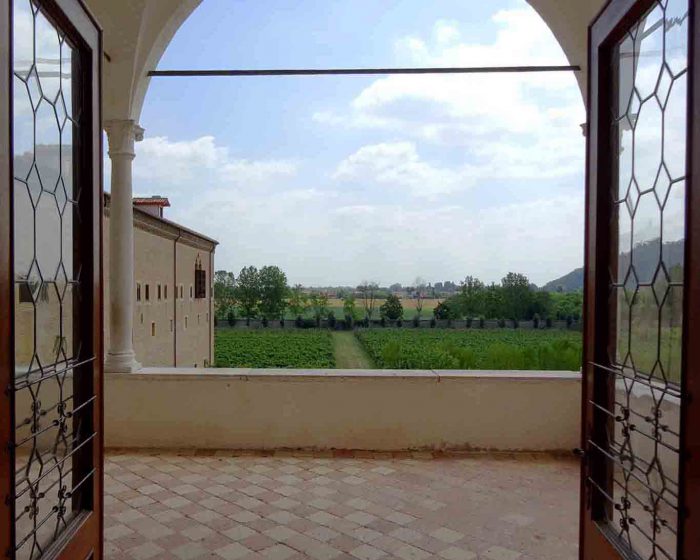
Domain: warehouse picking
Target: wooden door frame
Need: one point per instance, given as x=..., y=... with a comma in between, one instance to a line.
x=7, y=357
x=84, y=538
x=689, y=526
x=606, y=29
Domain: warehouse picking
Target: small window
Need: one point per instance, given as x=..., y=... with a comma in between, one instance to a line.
x=200, y=280
x=191, y=291
x=182, y=291
x=171, y=325
x=165, y=292
x=153, y=329
x=185, y=321
x=148, y=293
x=138, y=291
x=142, y=318
x=198, y=319
x=160, y=292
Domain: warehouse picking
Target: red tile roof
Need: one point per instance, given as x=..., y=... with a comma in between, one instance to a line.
x=152, y=201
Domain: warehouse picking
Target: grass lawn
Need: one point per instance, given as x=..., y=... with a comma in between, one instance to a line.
x=274, y=348
x=472, y=349
x=349, y=354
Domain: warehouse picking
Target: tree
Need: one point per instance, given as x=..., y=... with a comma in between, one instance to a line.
x=247, y=292
x=444, y=311
x=472, y=297
x=369, y=297
x=349, y=306
x=298, y=301
x=516, y=295
x=540, y=304
x=224, y=293
x=420, y=295
x=319, y=305
x=392, y=308
x=566, y=304
x=493, y=301
x=273, y=288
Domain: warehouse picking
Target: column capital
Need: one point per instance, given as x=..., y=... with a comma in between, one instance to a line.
x=122, y=135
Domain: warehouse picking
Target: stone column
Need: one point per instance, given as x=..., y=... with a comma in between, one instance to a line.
x=121, y=134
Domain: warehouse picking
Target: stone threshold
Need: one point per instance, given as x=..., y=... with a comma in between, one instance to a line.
x=170, y=373
x=349, y=453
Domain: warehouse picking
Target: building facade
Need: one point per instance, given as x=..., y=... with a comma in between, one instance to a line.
x=173, y=304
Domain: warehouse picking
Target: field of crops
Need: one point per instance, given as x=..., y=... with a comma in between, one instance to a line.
x=274, y=349
x=472, y=349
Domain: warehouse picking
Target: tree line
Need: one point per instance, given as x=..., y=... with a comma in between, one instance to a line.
x=265, y=293
x=515, y=298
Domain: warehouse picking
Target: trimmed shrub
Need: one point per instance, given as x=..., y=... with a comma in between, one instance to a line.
x=536, y=321
x=399, y=323
x=416, y=321
x=502, y=323
x=469, y=322
x=299, y=322
x=516, y=324
x=348, y=322
x=282, y=322
x=548, y=322
x=382, y=321
x=331, y=320
x=482, y=322
x=433, y=323
x=264, y=322
x=231, y=317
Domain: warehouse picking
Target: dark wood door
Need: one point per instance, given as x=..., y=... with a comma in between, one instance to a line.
x=50, y=281
x=641, y=400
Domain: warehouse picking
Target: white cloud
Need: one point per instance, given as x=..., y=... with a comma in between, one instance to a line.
x=398, y=164
x=509, y=125
x=181, y=162
x=426, y=195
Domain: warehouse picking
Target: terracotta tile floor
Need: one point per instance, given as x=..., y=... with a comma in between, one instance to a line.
x=186, y=507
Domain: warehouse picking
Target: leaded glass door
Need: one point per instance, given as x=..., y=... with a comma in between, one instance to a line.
x=641, y=468
x=50, y=283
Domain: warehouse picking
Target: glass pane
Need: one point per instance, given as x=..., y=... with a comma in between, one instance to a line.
x=646, y=281
x=45, y=280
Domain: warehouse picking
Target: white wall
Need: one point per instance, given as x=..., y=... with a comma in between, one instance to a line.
x=345, y=409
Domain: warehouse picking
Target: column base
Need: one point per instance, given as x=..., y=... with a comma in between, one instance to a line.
x=121, y=362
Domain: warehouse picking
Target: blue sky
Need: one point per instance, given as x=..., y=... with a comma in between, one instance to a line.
x=344, y=179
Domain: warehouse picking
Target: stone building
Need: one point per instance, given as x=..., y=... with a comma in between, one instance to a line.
x=173, y=304
x=172, y=309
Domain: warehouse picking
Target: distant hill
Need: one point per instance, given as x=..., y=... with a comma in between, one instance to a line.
x=646, y=258
x=571, y=282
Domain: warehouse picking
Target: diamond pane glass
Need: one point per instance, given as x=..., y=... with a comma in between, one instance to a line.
x=49, y=424
x=646, y=283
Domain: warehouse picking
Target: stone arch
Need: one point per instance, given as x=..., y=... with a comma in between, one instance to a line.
x=137, y=32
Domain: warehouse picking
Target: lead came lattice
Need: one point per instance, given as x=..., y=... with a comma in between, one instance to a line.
x=639, y=450
x=51, y=426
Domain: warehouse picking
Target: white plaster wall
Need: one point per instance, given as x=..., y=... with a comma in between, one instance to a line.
x=345, y=409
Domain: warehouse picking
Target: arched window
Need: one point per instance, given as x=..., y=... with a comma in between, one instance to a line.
x=200, y=280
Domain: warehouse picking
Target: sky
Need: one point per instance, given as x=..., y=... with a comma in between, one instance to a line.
x=339, y=180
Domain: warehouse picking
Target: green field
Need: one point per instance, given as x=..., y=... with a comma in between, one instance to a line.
x=472, y=349
x=398, y=348
x=274, y=349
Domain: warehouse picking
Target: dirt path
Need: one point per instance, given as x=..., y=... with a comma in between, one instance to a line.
x=348, y=352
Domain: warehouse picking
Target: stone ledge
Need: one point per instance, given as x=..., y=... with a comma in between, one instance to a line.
x=217, y=374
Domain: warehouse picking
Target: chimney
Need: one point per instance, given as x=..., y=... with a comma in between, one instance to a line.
x=152, y=205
